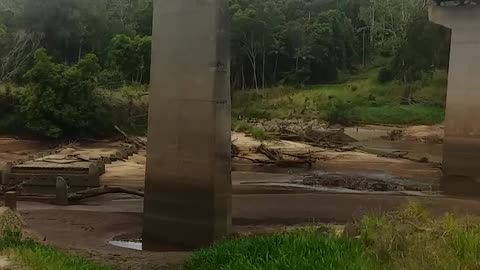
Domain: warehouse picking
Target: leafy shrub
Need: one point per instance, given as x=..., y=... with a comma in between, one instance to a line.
x=130, y=57
x=126, y=107
x=11, y=119
x=252, y=113
x=340, y=112
x=242, y=126
x=60, y=100
x=256, y=132
x=260, y=134
x=412, y=239
x=385, y=75
x=111, y=79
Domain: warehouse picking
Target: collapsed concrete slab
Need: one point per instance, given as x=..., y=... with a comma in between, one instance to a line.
x=80, y=167
x=39, y=176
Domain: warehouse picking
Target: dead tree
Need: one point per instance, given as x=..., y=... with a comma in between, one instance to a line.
x=16, y=60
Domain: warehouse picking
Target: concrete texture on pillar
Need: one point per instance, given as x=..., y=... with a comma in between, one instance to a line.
x=188, y=177
x=462, y=123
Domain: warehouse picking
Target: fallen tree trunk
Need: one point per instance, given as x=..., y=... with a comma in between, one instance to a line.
x=269, y=153
x=398, y=155
x=16, y=187
x=276, y=157
x=235, y=150
x=280, y=163
x=332, y=139
x=95, y=192
x=132, y=139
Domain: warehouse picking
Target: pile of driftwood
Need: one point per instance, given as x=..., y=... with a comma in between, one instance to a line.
x=278, y=158
x=62, y=195
x=137, y=141
x=331, y=139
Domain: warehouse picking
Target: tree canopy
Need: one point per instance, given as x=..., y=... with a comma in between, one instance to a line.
x=273, y=41
x=59, y=43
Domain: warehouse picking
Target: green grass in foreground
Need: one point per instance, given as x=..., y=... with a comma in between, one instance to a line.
x=306, y=249
x=409, y=239
x=358, y=100
x=31, y=255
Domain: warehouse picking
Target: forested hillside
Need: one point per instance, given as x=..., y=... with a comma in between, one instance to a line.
x=80, y=67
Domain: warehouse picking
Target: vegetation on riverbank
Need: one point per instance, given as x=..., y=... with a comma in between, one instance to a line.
x=77, y=68
x=18, y=250
x=31, y=255
x=358, y=100
x=126, y=107
x=305, y=249
x=410, y=239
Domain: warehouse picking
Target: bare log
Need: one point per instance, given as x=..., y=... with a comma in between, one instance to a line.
x=6, y=188
x=269, y=153
x=95, y=192
x=132, y=139
x=326, y=139
x=280, y=163
x=235, y=150
x=276, y=157
x=288, y=137
x=307, y=155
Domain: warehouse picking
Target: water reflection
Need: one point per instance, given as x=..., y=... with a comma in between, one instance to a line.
x=137, y=243
x=127, y=244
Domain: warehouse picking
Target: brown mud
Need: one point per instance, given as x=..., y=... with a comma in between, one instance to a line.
x=12, y=149
x=341, y=186
x=87, y=229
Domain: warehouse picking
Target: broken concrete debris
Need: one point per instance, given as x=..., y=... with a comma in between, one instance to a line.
x=79, y=168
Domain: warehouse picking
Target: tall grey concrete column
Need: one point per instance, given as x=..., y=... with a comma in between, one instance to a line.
x=462, y=124
x=188, y=177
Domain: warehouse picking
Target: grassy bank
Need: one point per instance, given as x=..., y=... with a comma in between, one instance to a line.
x=305, y=249
x=30, y=255
x=409, y=240
x=361, y=99
x=27, y=254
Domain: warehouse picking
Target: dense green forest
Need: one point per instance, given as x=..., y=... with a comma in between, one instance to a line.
x=80, y=67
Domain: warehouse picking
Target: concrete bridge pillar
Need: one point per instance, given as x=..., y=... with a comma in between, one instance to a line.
x=461, y=159
x=188, y=177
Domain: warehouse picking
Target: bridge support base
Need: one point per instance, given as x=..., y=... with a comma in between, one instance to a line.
x=461, y=158
x=188, y=184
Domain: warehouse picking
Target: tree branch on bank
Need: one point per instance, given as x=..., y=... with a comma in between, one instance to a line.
x=95, y=192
